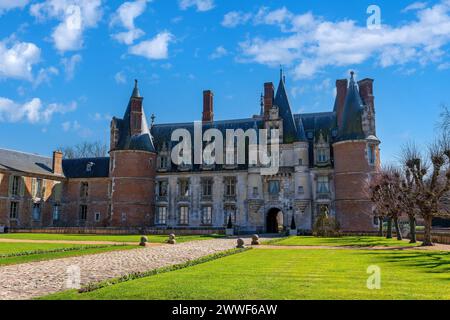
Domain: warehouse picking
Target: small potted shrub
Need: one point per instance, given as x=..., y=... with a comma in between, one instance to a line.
x=229, y=230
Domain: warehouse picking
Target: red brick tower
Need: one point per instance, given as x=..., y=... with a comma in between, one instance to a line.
x=132, y=167
x=356, y=157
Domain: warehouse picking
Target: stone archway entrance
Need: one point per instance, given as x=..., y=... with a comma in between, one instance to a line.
x=274, y=220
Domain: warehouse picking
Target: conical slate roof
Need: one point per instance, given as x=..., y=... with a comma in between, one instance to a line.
x=290, y=133
x=127, y=141
x=351, y=128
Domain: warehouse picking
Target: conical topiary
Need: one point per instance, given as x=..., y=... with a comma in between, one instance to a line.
x=293, y=226
x=229, y=224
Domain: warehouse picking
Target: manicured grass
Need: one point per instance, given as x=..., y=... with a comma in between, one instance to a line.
x=293, y=274
x=23, y=248
x=342, y=242
x=92, y=237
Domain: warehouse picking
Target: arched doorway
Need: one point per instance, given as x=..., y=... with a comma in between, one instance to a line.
x=274, y=220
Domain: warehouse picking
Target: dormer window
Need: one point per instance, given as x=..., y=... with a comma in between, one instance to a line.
x=322, y=156
x=89, y=166
x=162, y=162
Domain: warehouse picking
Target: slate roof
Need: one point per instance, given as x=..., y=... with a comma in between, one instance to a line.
x=351, y=128
x=25, y=162
x=143, y=141
x=77, y=168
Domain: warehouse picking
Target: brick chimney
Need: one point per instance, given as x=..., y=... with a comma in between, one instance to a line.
x=57, y=162
x=341, y=93
x=208, y=106
x=268, y=98
x=366, y=91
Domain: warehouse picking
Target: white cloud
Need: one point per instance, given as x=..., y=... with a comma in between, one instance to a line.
x=124, y=17
x=202, y=5
x=156, y=48
x=44, y=76
x=312, y=43
x=219, y=52
x=33, y=111
x=75, y=126
x=415, y=6
x=6, y=5
x=120, y=77
x=17, y=59
x=234, y=18
x=70, y=65
x=75, y=17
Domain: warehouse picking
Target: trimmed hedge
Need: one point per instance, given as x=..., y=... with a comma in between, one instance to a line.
x=27, y=253
x=137, y=275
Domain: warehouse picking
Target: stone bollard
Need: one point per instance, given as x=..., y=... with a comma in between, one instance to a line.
x=172, y=239
x=144, y=241
x=255, y=240
x=240, y=243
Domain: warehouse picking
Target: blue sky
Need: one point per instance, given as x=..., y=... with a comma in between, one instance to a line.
x=67, y=66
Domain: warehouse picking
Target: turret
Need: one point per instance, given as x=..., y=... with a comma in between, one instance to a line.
x=132, y=169
x=356, y=158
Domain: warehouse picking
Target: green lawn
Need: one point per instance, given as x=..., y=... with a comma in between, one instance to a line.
x=7, y=248
x=293, y=274
x=342, y=242
x=93, y=237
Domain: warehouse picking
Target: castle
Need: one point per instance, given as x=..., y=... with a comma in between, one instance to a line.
x=326, y=160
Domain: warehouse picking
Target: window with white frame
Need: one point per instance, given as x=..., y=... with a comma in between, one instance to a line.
x=322, y=155
x=207, y=187
x=184, y=187
x=184, y=215
x=230, y=186
x=229, y=210
x=163, y=162
x=161, y=215
x=162, y=188
x=207, y=215
x=323, y=184
x=15, y=186
x=14, y=210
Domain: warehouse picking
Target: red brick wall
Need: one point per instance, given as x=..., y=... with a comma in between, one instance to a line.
x=353, y=209
x=133, y=181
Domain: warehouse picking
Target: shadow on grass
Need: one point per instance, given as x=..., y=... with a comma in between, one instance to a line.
x=428, y=261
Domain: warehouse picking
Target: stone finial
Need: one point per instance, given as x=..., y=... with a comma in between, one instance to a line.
x=172, y=239
x=255, y=240
x=240, y=243
x=144, y=241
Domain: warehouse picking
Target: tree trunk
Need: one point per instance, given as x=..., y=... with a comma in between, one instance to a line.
x=380, y=227
x=412, y=229
x=397, y=229
x=427, y=240
x=389, y=229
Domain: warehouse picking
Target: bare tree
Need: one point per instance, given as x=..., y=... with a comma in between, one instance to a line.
x=444, y=122
x=85, y=150
x=431, y=182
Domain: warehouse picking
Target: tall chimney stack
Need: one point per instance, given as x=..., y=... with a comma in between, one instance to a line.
x=268, y=98
x=341, y=93
x=208, y=106
x=57, y=163
x=366, y=91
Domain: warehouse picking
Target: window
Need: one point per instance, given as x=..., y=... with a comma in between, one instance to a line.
x=301, y=190
x=274, y=187
x=37, y=188
x=162, y=188
x=322, y=185
x=162, y=162
x=371, y=154
x=124, y=216
x=230, y=186
x=83, y=212
x=322, y=156
x=184, y=215
x=255, y=191
x=14, y=210
x=229, y=211
x=161, y=215
x=184, y=188
x=56, y=213
x=15, y=186
x=376, y=221
x=36, y=213
x=84, y=190
x=300, y=162
x=207, y=187
x=207, y=215
x=97, y=216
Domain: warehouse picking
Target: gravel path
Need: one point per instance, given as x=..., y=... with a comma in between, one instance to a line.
x=29, y=280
